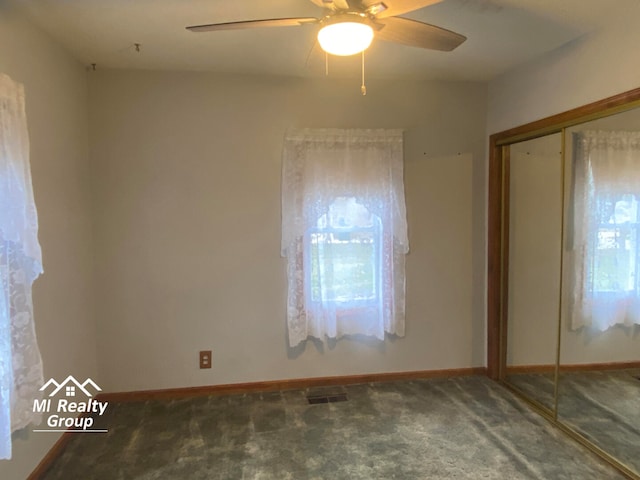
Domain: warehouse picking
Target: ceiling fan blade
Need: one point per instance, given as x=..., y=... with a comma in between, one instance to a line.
x=392, y=8
x=269, y=22
x=356, y=5
x=418, y=34
x=332, y=4
x=342, y=4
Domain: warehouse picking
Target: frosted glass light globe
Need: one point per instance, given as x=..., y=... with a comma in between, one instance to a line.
x=345, y=38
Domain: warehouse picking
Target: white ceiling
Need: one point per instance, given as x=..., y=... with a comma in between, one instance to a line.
x=501, y=34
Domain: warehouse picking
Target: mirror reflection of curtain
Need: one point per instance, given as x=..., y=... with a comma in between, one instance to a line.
x=605, y=249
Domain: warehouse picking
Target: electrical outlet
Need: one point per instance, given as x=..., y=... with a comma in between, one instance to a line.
x=205, y=358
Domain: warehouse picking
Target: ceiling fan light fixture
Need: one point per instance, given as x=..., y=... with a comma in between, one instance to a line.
x=346, y=37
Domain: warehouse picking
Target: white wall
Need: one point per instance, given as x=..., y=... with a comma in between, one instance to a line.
x=590, y=68
x=186, y=175
x=56, y=102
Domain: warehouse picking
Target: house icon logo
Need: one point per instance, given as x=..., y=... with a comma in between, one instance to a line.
x=68, y=413
x=71, y=386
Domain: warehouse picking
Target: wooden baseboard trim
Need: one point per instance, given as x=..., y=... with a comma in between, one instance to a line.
x=50, y=457
x=292, y=384
x=581, y=367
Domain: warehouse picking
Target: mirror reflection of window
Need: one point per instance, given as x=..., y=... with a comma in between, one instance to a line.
x=615, y=256
x=606, y=187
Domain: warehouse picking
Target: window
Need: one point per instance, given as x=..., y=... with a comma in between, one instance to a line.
x=615, y=246
x=343, y=261
x=20, y=265
x=344, y=233
x=605, y=244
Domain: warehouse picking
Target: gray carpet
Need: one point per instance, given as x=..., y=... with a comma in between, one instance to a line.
x=536, y=386
x=457, y=428
x=603, y=406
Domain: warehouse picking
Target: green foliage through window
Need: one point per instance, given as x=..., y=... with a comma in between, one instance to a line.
x=343, y=254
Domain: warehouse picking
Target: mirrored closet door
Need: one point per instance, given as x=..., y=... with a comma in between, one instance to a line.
x=599, y=383
x=564, y=272
x=535, y=224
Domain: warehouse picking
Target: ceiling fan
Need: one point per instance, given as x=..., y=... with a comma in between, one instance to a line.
x=348, y=26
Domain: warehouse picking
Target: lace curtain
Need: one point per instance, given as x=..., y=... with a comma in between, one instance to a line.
x=329, y=175
x=20, y=264
x=606, y=229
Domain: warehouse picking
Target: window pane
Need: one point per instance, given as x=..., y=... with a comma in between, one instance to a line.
x=615, y=257
x=344, y=254
x=342, y=266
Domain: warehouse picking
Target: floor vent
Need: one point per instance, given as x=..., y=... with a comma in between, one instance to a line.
x=330, y=398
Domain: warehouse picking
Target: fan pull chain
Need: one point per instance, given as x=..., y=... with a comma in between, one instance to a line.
x=363, y=88
x=326, y=64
